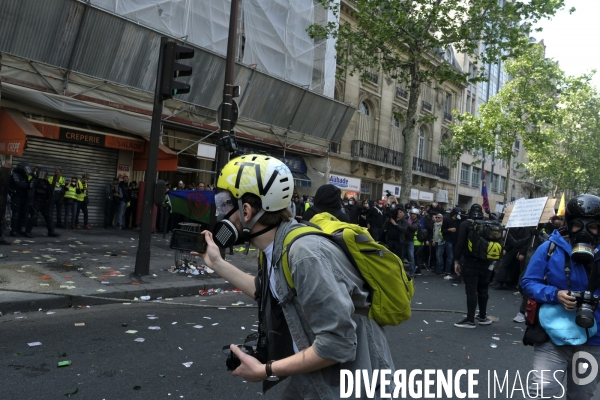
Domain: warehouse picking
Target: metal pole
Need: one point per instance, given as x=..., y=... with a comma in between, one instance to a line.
x=142, y=259
x=226, y=112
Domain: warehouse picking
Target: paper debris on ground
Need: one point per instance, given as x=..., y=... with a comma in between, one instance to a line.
x=154, y=328
x=198, y=326
x=140, y=340
x=80, y=324
x=131, y=331
x=188, y=364
x=32, y=344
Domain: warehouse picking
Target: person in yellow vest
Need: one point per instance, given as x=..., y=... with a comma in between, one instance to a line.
x=309, y=203
x=57, y=181
x=82, y=201
x=70, y=203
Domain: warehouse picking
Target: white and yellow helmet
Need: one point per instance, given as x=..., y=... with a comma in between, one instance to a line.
x=264, y=176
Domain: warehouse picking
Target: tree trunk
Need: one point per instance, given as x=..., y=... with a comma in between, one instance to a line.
x=409, y=132
x=556, y=187
x=507, y=180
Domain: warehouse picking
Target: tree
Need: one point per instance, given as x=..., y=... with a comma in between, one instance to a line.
x=523, y=109
x=405, y=39
x=571, y=162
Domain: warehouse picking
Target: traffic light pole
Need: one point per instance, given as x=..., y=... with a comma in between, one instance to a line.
x=142, y=259
x=226, y=110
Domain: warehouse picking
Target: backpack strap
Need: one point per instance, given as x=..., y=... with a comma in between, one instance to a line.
x=290, y=238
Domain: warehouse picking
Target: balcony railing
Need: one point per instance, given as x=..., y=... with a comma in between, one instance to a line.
x=430, y=168
x=401, y=93
x=427, y=106
x=384, y=155
x=373, y=152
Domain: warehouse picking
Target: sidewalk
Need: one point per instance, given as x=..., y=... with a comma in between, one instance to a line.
x=92, y=267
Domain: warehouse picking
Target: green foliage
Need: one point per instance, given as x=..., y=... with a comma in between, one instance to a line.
x=404, y=39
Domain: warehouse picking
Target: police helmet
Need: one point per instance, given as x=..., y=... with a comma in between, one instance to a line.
x=42, y=173
x=476, y=212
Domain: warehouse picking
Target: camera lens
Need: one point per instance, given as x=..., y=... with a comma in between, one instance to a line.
x=585, y=316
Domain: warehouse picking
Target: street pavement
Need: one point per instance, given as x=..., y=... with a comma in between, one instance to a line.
x=89, y=267
x=107, y=362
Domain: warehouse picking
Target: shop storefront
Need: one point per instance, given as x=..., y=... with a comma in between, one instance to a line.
x=349, y=186
x=103, y=155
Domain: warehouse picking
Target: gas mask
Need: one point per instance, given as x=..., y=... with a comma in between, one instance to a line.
x=225, y=233
x=583, y=234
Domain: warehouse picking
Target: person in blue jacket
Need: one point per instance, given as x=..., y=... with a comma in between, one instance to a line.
x=546, y=281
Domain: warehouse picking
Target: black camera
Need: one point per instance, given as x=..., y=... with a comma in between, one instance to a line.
x=586, y=305
x=251, y=347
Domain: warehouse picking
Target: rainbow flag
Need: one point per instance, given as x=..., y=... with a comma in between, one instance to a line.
x=194, y=204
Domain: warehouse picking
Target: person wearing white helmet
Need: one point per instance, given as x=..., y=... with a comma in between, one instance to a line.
x=308, y=333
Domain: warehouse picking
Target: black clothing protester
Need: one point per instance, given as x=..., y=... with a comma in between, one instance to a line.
x=475, y=273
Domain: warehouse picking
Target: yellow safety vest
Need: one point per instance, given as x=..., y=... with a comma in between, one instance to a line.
x=70, y=193
x=82, y=186
x=61, y=181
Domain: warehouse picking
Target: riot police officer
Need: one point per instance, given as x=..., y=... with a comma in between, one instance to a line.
x=19, y=186
x=40, y=195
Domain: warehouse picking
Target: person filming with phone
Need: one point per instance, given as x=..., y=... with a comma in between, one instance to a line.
x=312, y=331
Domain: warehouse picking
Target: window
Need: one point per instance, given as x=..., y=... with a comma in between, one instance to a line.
x=473, y=106
x=364, y=109
x=502, y=187
x=464, y=174
x=495, y=182
x=427, y=97
x=475, y=176
x=448, y=107
x=401, y=91
x=420, y=151
x=493, y=80
x=421, y=144
x=396, y=132
x=364, y=128
x=373, y=76
x=468, y=103
x=517, y=145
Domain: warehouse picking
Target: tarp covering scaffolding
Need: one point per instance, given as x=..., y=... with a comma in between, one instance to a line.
x=272, y=33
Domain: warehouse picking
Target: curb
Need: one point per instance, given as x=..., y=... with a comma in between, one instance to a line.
x=15, y=301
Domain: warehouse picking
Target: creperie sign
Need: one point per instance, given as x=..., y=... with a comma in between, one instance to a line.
x=10, y=147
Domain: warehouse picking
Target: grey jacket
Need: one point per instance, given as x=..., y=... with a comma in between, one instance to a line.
x=322, y=313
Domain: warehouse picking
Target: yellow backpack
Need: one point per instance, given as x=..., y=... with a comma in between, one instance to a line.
x=390, y=288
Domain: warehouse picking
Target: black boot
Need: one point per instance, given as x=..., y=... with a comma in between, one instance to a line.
x=4, y=242
x=28, y=235
x=53, y=234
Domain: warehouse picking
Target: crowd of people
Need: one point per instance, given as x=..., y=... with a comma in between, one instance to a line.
x=422, y=235
x=34, y=193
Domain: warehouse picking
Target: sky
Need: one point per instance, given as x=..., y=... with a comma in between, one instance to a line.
x=572, y=38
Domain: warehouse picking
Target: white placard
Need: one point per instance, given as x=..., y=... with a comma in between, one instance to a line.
x=345, y=182
x=425, y=196
x=499, y=208
x=414, y=194
x=442, y=196
x=207, y=151
x=394, y=190
x=526, y=212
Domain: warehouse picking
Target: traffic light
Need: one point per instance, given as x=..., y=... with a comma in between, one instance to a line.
x=173, y=70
